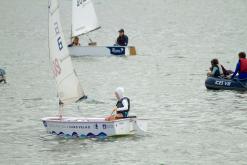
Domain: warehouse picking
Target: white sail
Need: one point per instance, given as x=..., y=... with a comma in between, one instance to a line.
x=84, y=18
x=68, y=85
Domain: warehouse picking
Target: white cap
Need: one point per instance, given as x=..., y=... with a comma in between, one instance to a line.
x=120, y=92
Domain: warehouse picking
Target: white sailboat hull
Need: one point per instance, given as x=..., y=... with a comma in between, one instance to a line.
x=93, y=127
x=78, y=51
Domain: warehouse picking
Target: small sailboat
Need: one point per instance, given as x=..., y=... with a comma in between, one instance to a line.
x=84, y=21
x=70, y=91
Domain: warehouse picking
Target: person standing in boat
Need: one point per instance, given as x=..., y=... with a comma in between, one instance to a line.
x=122, y=39
x=75, y=42
x=241, y=67
x=122, y=107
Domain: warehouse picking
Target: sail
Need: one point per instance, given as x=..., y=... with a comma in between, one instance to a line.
x=68, y=85
x=84, y=18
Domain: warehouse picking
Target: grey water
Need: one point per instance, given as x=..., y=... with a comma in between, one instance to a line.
x=175, y=41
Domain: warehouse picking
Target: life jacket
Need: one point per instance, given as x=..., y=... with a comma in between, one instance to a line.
x=217, y=73
x=120, y=105
x=243, y=65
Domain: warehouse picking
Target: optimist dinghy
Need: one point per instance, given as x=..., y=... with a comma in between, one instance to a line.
x=84, y=21
x=70, y=91
x=216, y=83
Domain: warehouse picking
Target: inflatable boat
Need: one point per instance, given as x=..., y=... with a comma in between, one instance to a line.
x=216, y=83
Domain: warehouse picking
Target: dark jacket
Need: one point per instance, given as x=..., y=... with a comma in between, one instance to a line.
x=122, y=40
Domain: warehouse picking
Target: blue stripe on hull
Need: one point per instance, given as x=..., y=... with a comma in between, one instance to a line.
x=75, y=134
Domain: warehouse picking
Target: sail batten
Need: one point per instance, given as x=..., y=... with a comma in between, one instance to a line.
x=84, y=19
x=68, y=86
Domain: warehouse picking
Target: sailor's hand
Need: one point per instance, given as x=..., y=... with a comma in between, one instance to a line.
x=114, y=110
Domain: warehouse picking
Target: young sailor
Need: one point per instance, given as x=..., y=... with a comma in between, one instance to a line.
x=241, y=67
x=122, y=107
x=2, y=76
x=215, y=69
x=218, y=70
x=122, y=39
x=75, y=42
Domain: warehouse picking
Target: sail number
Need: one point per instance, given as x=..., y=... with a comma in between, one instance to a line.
x=80, y=2
x=56, y=67
x=59, y=38
x=55, y=64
